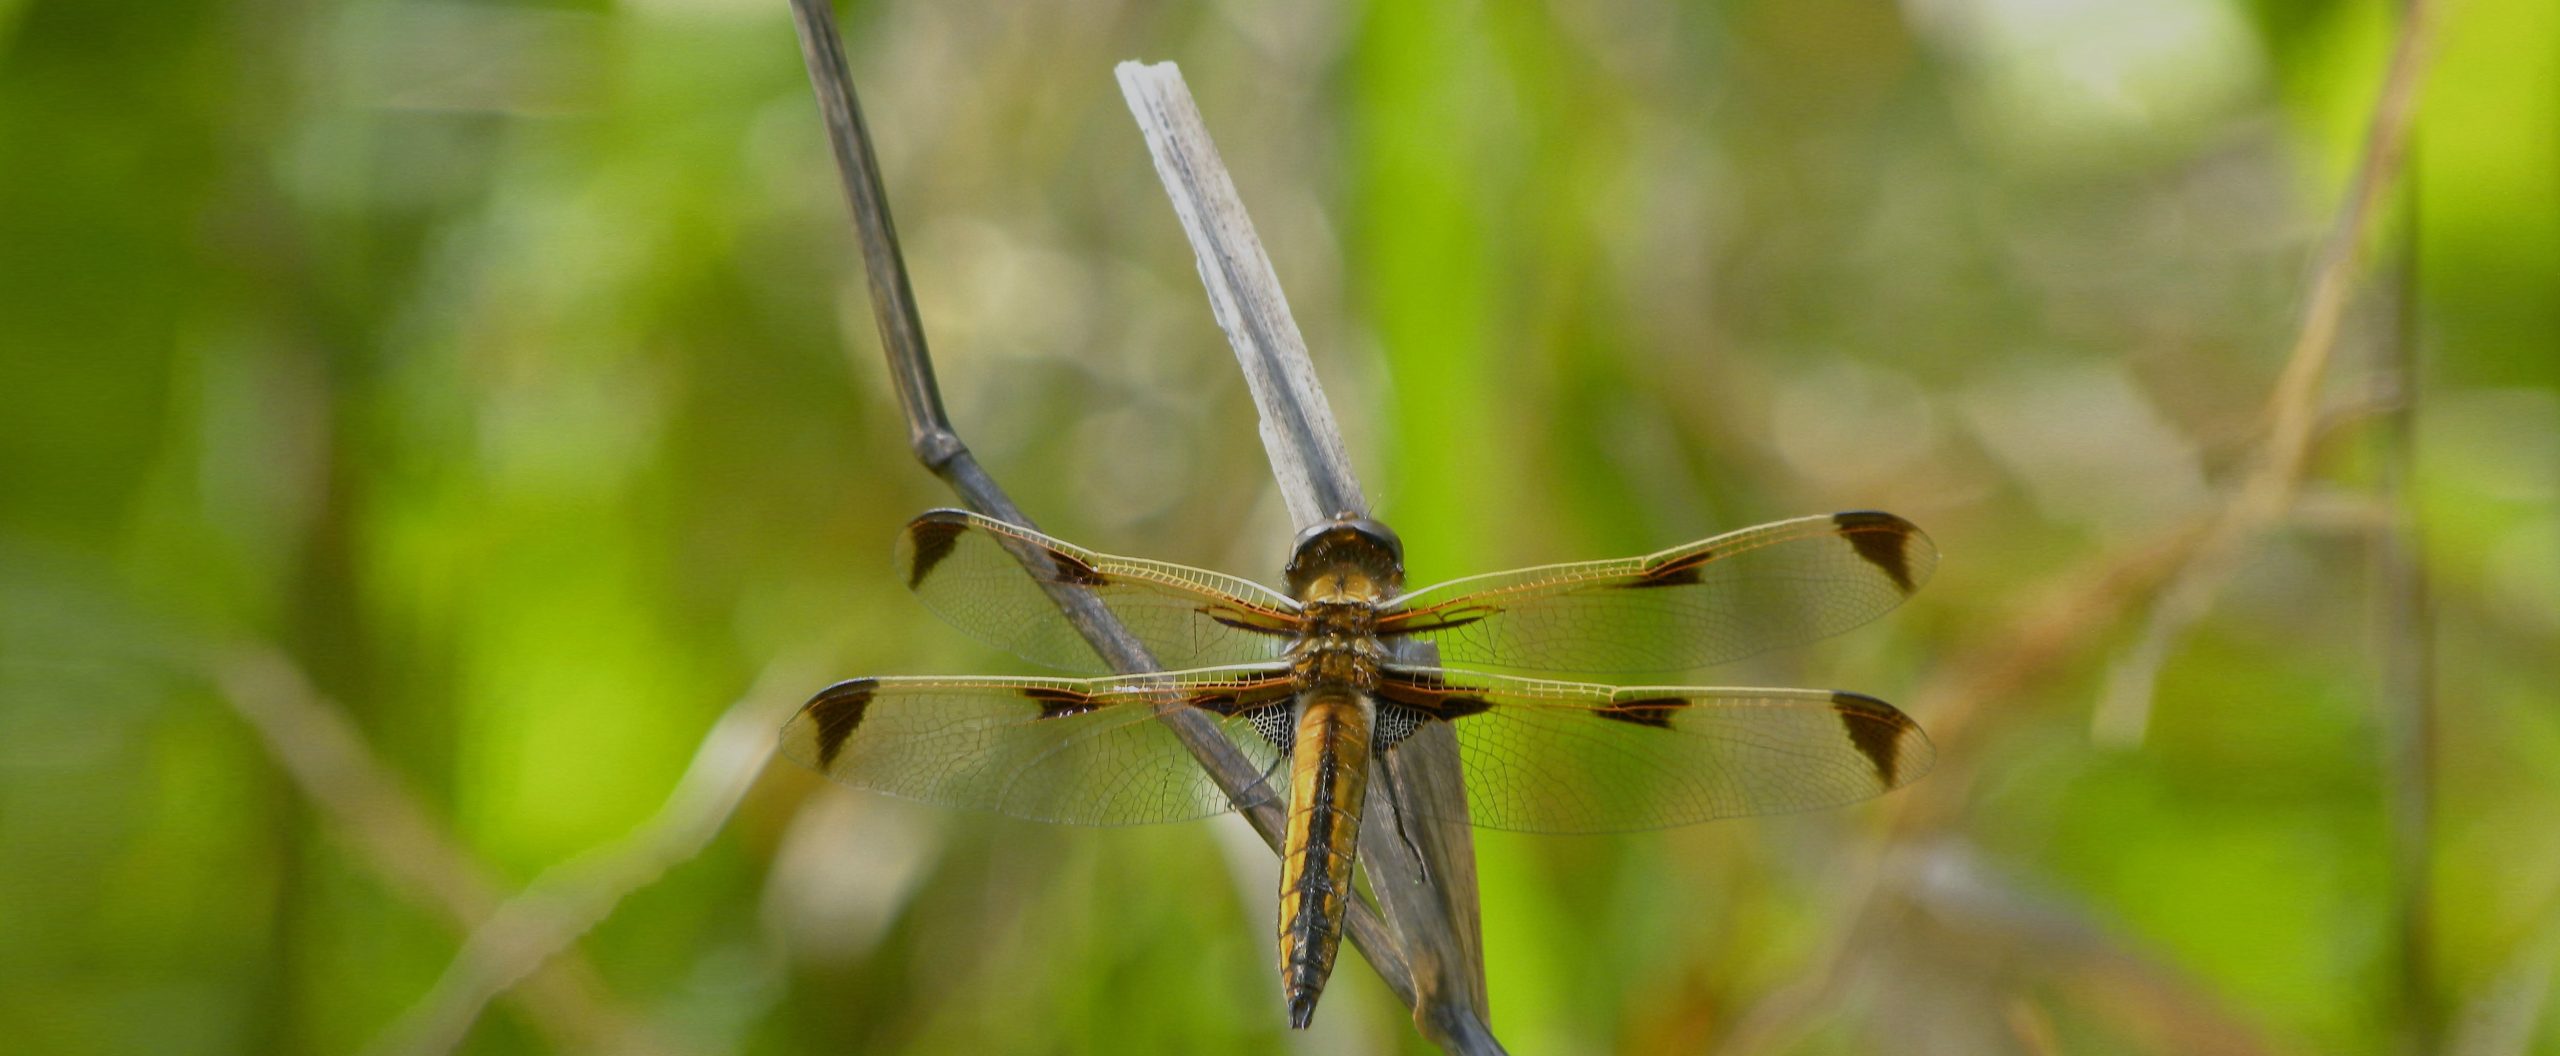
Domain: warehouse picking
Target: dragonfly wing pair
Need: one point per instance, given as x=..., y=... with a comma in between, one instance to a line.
x=1539, y=755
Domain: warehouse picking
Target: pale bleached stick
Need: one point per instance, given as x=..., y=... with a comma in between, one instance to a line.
x=1244, y=295
x=1430, y=903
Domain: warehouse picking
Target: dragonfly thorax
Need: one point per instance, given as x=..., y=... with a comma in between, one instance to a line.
x=1339, y=646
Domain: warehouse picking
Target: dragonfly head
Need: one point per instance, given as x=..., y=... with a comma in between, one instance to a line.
x=1350, y=555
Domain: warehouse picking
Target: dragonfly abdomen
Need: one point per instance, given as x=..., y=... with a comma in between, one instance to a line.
x=1328, y=781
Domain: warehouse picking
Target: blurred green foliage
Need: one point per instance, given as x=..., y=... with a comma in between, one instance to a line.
x=505, y=365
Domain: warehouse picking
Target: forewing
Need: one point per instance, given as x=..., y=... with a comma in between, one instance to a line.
x=1546, y=756
x=1705, y=603
x=1077, y=751
x=965, y=568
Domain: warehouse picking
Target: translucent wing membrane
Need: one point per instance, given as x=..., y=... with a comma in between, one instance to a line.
x=1705, y=603
x=964, y=568
x=1546, y=756
x=1077, y=751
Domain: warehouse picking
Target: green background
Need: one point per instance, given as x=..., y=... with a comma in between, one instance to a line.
x=505, y=369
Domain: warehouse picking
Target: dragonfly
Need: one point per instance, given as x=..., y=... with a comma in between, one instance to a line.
x=1313, y=685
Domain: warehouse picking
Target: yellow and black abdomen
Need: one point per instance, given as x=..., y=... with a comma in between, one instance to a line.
x=1328, y=780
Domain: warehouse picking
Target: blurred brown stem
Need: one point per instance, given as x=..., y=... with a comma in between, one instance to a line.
x=938, y=446
x=2405, y=632
x=328, y=760
x=568, y=900
x=2177, y=572
x=2277, y=465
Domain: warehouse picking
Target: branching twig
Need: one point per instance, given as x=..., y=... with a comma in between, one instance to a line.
x=1432, y=903
x=2177, y=571
x=2277, y=465
x=938, y=446
x=328, y=760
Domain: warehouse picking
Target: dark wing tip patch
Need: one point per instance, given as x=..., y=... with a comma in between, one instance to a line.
x=1878, y=730
x=837, y=711
x=1651, y=711
x=1883, y=540
x=934, y=535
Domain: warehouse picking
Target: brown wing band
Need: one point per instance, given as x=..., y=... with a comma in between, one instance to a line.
x=1245, y=623
x=1431, y=695
x=1424, y=621
x=1680, y=573
x=1059, y=703
x=1652, y=711
x=1074, y=571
